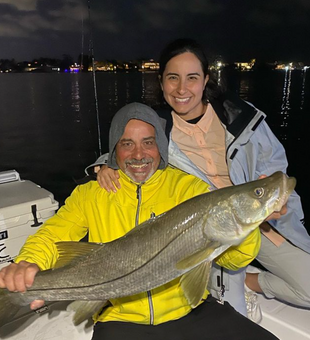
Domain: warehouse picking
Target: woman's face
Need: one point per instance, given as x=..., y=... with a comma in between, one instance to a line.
x=183, y=83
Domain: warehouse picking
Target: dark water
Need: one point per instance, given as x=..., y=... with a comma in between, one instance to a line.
x=48, y=128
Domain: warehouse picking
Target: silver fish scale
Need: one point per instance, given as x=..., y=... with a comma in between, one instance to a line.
x=119, y=269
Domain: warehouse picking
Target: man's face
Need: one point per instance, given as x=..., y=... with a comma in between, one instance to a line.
x=137, y=153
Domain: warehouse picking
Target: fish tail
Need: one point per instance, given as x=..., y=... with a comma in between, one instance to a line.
x=8, y=309
x=85, y=309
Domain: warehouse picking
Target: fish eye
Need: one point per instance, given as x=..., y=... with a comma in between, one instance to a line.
x=259, y=192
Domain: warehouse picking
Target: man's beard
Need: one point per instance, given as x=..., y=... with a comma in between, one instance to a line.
x=135, y=162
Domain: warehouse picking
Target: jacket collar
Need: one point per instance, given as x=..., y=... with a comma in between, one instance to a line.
x=153, y=181
x=240, y=119
x=234, y=113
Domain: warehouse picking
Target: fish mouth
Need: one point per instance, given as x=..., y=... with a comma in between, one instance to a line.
x=288, y=185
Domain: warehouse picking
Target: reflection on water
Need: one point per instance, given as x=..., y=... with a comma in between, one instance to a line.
x=143, y=88
x=48, y=125
x=219, y=77
x=244, y=88
x=150, y=88
x=111, y=92
x=302, y=100
x=32, y=98
x=75, y=100
x=127, y=91
x=285, y=106
x=115, y=97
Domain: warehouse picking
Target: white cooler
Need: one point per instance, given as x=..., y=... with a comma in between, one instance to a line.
x=24, y=206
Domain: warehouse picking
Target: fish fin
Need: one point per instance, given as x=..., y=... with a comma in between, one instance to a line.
x=85, y=309
x=70, y=250
x=7, y=309
x=197, y=257
x=194, y=283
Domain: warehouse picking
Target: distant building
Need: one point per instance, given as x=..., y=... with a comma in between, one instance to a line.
x=115, y=65
x=218, y=64
x=103, y=66
x=39, y=67
x=149, y=65
x=75, y=68
x=30, y=67
x=290, y=66
x=245, y=66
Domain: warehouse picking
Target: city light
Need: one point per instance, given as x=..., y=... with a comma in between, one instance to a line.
x=150, y=65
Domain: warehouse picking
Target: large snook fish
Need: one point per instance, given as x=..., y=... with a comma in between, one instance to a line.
x=180, y=242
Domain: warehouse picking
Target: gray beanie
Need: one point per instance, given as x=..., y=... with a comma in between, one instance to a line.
x=146, y=114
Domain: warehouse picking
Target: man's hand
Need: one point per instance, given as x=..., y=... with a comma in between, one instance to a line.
x=108, y=178
x=18, y=277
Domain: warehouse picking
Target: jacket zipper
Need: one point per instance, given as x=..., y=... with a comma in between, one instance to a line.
x=139, y=203
x=149, y=294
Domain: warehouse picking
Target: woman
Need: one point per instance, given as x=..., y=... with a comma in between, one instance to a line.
x=226, y=141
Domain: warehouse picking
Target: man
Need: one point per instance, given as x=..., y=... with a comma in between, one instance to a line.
x=139, y=148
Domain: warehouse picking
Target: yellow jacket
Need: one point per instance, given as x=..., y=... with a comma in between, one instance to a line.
x=108, y=216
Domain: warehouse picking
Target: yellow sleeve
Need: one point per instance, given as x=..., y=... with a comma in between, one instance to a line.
x=69, y=224
x=241, y=255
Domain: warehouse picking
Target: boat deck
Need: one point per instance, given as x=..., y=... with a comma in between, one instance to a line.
x=286, y=322
x=56, y=324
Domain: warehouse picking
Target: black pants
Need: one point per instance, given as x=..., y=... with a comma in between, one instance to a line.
x=210, y=320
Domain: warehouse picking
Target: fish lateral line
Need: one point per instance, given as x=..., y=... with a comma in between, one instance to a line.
x=122, y=276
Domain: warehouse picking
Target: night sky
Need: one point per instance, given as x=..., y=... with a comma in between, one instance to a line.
x=237, y=30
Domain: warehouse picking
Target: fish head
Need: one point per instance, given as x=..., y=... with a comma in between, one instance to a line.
x=244, y=207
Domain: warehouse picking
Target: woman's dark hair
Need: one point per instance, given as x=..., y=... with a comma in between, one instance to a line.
x=181, y=46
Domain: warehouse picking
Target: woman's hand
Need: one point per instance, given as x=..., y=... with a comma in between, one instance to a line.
x=266, y=228
x=108, y=178
x=276, y=214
